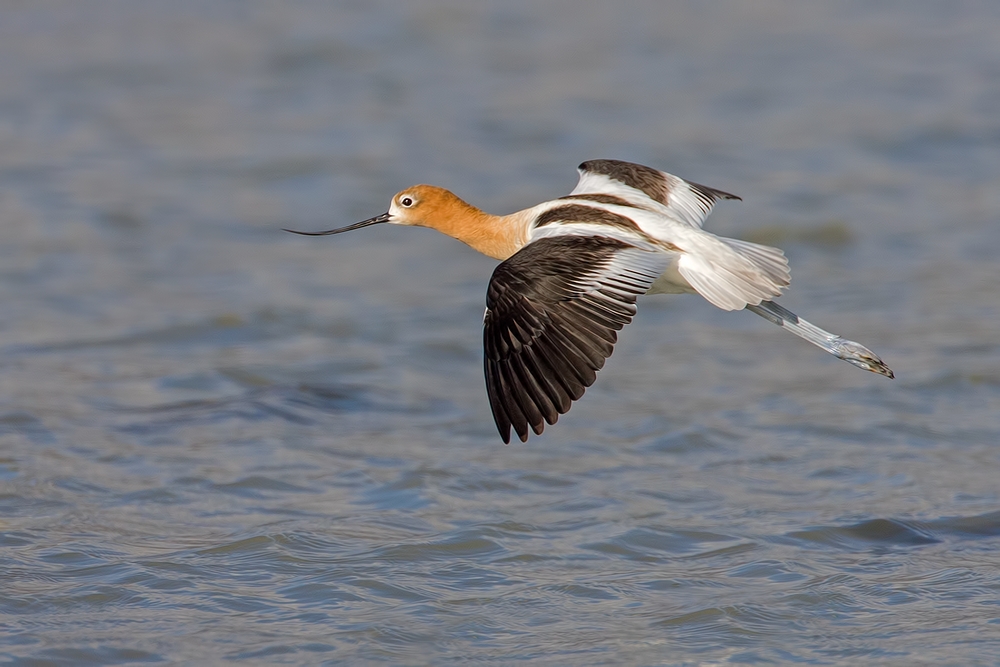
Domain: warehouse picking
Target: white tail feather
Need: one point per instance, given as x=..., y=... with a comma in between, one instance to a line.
x=771, y=261
x=738, y=274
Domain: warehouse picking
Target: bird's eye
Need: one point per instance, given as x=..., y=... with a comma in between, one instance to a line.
x=406, y=201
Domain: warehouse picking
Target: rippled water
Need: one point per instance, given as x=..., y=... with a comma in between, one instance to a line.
x=222, y=443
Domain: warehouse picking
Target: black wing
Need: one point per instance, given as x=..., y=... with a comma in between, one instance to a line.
x=552, y=313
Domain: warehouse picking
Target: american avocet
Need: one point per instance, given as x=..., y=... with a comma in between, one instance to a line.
x=573, y=267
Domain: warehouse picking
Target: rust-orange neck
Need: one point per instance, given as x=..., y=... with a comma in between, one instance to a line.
x=493, y=235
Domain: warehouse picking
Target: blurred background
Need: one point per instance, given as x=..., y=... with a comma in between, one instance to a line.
x=223, y=443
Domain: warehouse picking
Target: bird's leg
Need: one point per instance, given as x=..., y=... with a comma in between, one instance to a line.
x=848, y=350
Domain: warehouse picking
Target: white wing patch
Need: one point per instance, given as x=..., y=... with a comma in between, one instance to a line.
x=649, y=188
x=692, y=202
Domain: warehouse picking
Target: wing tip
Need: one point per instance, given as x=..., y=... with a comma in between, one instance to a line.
x=714, y=194
x=505, y=429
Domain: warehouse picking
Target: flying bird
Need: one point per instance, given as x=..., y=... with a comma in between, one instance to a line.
x=573, y=267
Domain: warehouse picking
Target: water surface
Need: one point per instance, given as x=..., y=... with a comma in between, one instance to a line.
x=220, y=443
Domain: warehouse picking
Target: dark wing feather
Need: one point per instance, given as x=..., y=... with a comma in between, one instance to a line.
x=553, y=312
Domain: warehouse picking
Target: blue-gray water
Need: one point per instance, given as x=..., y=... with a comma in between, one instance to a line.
x=221, y=443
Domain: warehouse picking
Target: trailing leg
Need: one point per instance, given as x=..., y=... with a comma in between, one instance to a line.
x=850, y=351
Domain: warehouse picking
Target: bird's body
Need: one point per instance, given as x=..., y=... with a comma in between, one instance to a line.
x=573, y=268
